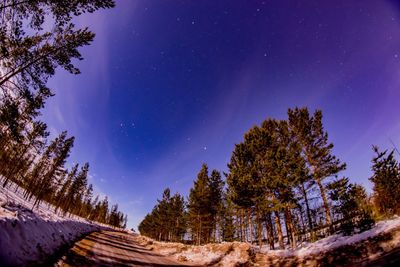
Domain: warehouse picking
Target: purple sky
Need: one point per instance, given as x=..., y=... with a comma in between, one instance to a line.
x=168, y=85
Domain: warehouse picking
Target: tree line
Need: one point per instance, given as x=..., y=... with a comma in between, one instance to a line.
x=282, y=187
x=37, y=38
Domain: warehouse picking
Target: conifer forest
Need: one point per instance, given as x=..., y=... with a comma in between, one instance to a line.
x=283, y=186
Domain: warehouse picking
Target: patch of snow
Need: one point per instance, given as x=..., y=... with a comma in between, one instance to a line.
x=199, y=256
x=222, y=254
x=238, y=256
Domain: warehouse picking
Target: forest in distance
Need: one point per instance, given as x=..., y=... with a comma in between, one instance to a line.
x=30, y=54
x=282, y=187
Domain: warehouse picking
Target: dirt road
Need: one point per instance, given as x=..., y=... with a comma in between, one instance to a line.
x=391, y=258
x=109, y=248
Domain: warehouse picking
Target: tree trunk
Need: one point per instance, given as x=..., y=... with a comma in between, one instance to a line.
x=326, y=205
x=290, y=228
x=250, y=226
x=310, y=224
x=303, y=226
x=259, y=229
x=242, y=232
x=279, y=230
x=244, y=225
x=237, y=224
x=270, y=230
x=216, y=237
x=199, y=236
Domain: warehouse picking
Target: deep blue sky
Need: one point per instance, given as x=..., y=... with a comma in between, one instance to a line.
x=168, y=85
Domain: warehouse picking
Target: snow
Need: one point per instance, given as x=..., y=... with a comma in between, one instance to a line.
x=240, y=255
x=222, y=254
x=28, y=236
x=200, y=255
x=335, y=241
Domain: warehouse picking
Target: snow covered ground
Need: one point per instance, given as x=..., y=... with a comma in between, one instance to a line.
x=27, y=236
x=383, y=237
x=339, y=250
x=224, y=254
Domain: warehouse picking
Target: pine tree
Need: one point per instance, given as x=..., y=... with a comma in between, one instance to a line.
x=178, y=217
x=31, y=59
x=114, y=218
x=86, y=203
x=164, y=212
x=246, y=174
x=386, y=182
x=243, y=179
x=317, y=150
x=40, y=168
x=216, y=193
x=227, y=220
x=61, y=197
x=350, y=203
x=76, y=190
x=61, y=153
x=284, y=169
x=103, y=211
x=199, y=207
x=167, y=220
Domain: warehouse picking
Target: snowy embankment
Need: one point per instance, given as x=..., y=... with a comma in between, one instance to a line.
x=30, y=237
x=337, y=249
x=338, y=240
x=357, y=249
x=224, y=254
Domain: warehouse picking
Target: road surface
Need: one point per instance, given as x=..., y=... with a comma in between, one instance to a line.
x=388, y=259
x=108, y=248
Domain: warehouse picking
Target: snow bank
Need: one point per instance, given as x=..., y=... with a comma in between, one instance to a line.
x=335, y=241
x=30, y=237
x=241, y=254
x=339, y=250
x=225, y=254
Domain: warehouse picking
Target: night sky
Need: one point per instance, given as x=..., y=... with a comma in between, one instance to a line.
x=168, y=85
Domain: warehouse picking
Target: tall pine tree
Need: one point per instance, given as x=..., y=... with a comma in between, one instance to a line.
x=317, y=150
